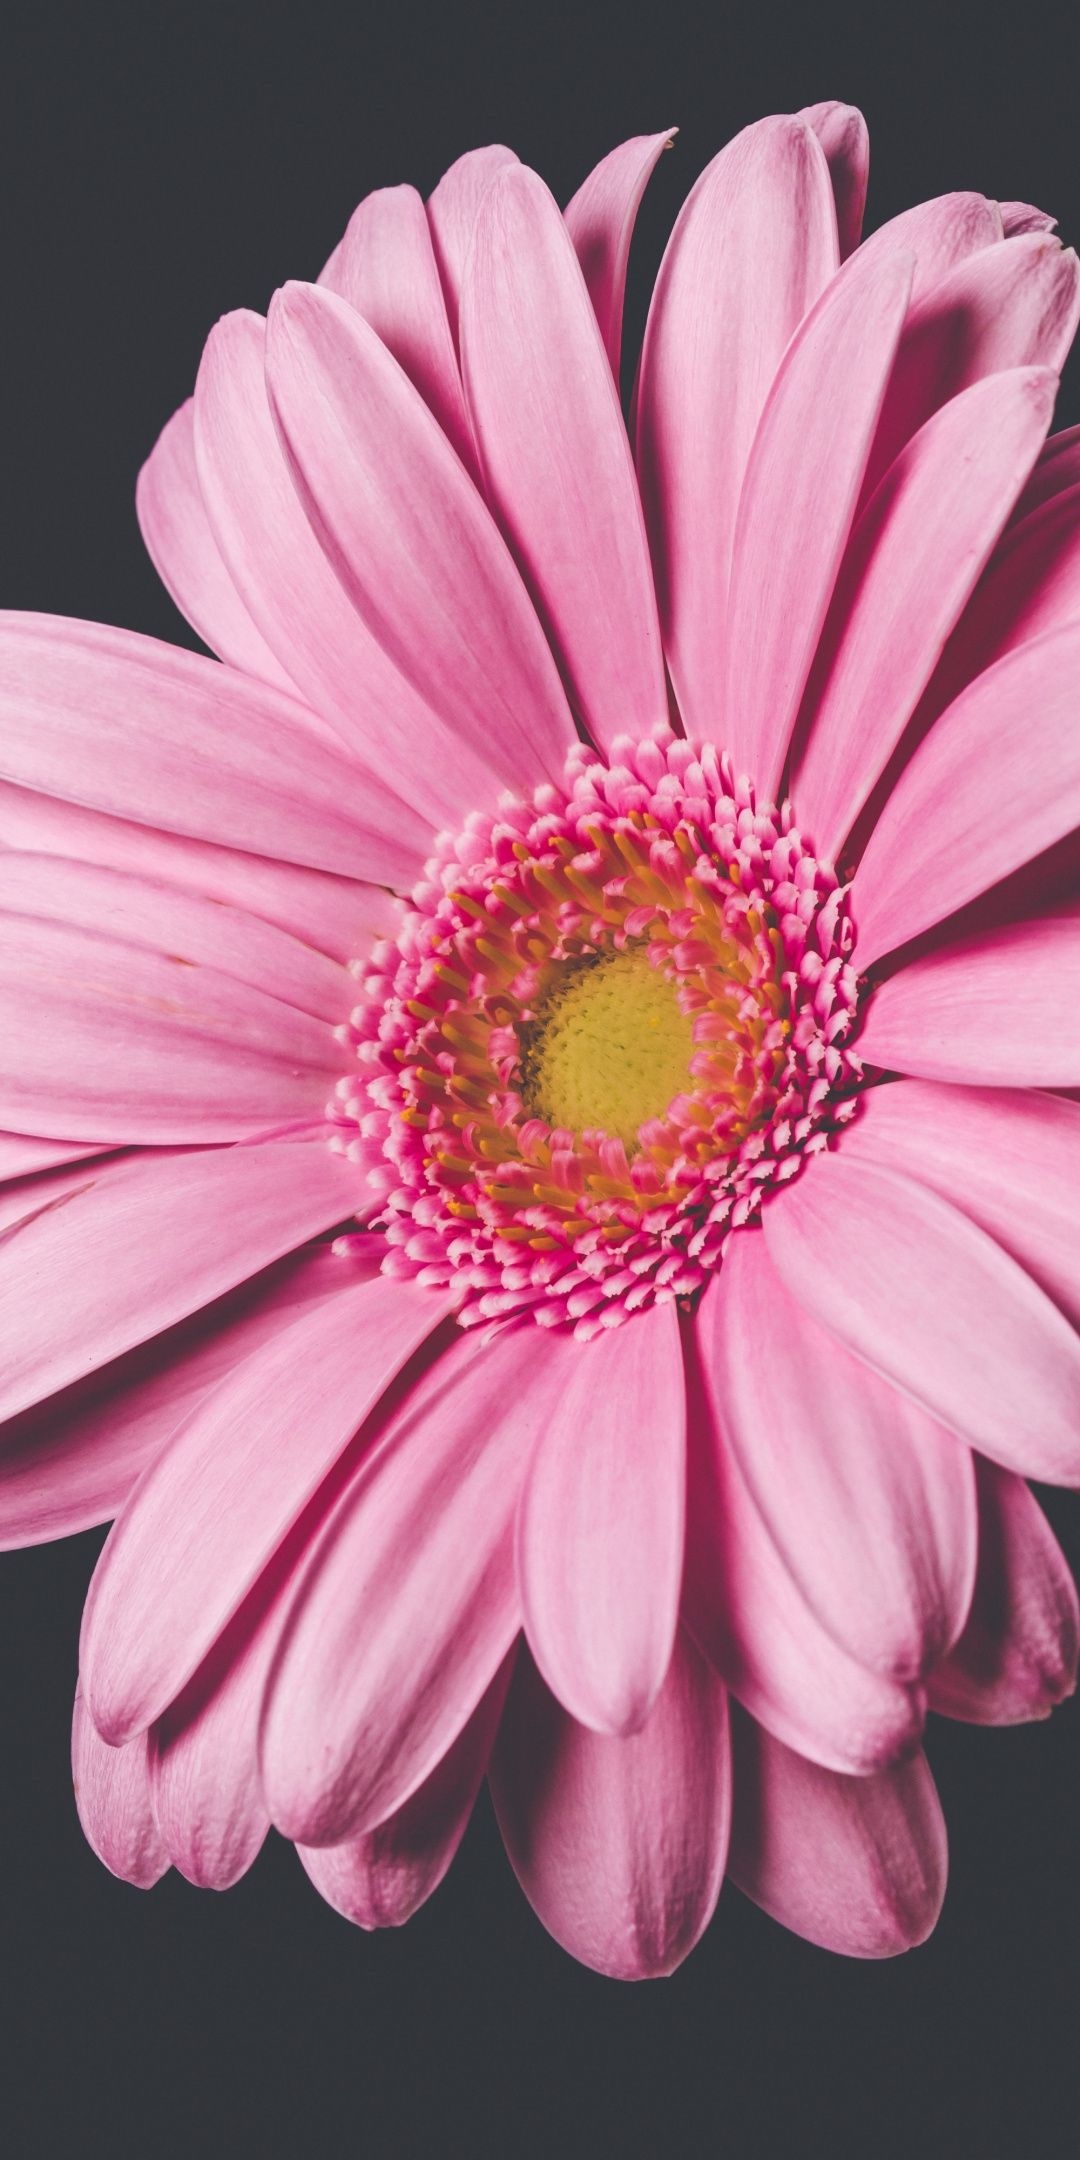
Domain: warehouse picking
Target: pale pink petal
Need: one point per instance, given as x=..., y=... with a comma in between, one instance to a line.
x=802, y=483
x=335, y=915
x=411, y=539
x=987, y=1009
x=1018, y=217
x=600, y=1536
x=85, y=1282
x=747, y=1612
x=21, y=1155
x=996, y=781
x=1010, y=306
x=142, y=730
x=409, y=1603
x=181, y=545
x=940, y=234
x=855, y=1864
x=889, y=1563
x=70, y=1462
x=1031, y=586
x=752, y=248
x=914, y=558
x=295, y=596
x=600, y=221
x=1017, y=1656
x=619, y=1845
x=910, y=1285
x=107, y=1041
x=555, y=456
x=845, y=139
x=112, y=1795
x=202, y=1757
x=385, y=267
x=452, y=211
x=381, y=1879
x=1010, y=1160
x=193, y=931
x=213, y=1508
x=23, y=1198
x=1056, y=468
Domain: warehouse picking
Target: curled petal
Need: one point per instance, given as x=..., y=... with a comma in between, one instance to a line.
x=381, y=1879
x=855, y=1864
x=600, y=222
x=1017, y=1656
x=619, y=1844
x=112, y=1794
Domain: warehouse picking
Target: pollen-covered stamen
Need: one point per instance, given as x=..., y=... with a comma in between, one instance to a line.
x=613, y=1018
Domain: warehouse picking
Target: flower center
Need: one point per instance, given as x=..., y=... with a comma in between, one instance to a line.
x=614, y=1019
x=610, y=1047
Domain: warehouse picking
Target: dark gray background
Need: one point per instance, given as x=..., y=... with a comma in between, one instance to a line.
x=163, y=163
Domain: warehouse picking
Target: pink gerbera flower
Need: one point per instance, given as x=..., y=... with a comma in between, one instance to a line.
x=538, y=1187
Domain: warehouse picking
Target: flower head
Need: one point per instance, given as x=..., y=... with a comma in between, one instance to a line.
x=537, y=1154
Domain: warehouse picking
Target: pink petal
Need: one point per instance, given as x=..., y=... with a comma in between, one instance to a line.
x=381, y=1879
x=335, y=915
x=21, y=1154
x=114, y=1279
x=600, y=1536
x=123, y=724
x=909, y=1284
x=1021, y=217
x=409, y=1604
x=556, y=458
x=1017, y=1656
x=1011, y=1161
x=750, y=1617
x=619, y=1844
x=112, y=1795
x=855, y=1864
x=752, y=248
x=1010, y=306
x=70, y=1462
x=106, y=1041
x=411, y=540
x=989, y=1009
x=297, y=599
x=940, y=234
x=914, y=558
x=385, y=268
x=452, y=212
x=203, y=1759
x=1056, y=469
x=213, y=1508
x=996, y=782
x=600, y=221
x=802, y=483
x=871, y=1507
x=23, y=1198
x=1031, y=586
x=845, y=139
x=192, y=930
x=180, y=542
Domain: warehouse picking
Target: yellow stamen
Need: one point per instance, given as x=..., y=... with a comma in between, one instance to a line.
x=610, y=1048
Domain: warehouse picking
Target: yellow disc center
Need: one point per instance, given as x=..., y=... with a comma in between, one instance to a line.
x=610, y=1047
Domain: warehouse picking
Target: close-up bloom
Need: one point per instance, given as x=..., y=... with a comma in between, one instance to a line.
x=540, y=1137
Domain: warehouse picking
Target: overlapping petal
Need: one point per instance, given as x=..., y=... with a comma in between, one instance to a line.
x=754, y=245
x=855, y=1864
x=619, y=1845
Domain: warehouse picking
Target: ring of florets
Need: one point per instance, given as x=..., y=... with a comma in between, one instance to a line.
x=529, y=980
